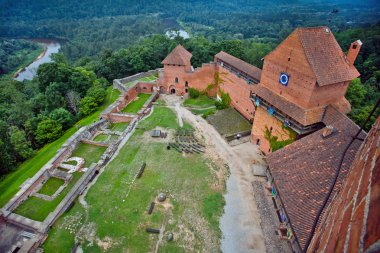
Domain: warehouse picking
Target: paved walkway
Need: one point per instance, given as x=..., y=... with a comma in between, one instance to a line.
x=240, y=223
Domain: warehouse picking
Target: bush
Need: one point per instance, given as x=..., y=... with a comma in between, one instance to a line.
x=194, y=93
x=224, y=103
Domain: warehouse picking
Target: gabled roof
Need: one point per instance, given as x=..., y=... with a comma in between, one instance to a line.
x=179, y=56
x=324, y=55
x=304, y=170
x=240, y=65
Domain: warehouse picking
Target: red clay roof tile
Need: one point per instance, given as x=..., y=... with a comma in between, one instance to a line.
x=179, y=56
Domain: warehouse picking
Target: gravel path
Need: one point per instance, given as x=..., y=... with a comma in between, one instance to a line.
x=269, y=220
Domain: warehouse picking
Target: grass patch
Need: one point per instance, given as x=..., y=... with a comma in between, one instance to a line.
x=213, y=205
x=51, y=186
x=119, y=126
x=200, y=102
x=70, y=221
x=38, y=209
x=11, y=182
x=136, y=105
x=122, y=216
x=229, y=122
x=90, y=153
x=101, y=137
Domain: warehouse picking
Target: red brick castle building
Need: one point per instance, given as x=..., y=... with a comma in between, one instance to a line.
x=301, y=78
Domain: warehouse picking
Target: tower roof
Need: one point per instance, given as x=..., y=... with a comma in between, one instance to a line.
x=324, y=55
x=179, y=56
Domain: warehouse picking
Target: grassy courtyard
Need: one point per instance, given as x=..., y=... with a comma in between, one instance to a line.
x=38, y=209
x=118, y=204
x=119, y=126
x=51, y=186
x=200, y=102
x=101, y=137
x=136, y=105
x=90, y=153
x=10, y=184
x=228, y=122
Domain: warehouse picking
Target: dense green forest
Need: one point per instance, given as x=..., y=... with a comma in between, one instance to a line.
x=33, y=113
x=102, y=41
x=16, y=53
x=86, y=27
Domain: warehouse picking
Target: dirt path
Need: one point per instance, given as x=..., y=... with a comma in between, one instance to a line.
x=240, y=223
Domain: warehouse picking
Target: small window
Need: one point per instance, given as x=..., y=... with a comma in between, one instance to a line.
x=354, y=46
x=186, y=84
x=176, y=80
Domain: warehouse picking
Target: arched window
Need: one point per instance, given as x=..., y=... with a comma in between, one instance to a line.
x=176, y=80
x=186, y=84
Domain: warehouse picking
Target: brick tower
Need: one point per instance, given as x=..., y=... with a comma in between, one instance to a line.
x=307, y=72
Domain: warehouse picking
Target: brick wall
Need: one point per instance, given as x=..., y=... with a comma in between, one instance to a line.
x=239, y=91
x=199, y=79
x=261, y=121
x=351, y=223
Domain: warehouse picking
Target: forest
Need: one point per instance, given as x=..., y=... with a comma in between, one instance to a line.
x=103, y=41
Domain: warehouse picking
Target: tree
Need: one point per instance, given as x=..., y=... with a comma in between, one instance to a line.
x=19, y=143
x=72, y=100
x=356, y=93
x=98, y=93
x=87, y=106
x=64, y=117
x=48, y=130
x=54, y=98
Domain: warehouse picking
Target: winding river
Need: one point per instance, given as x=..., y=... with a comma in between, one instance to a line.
x=51, y=47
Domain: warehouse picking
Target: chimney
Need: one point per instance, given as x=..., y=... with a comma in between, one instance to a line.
x=353, y=52
x=327, y=131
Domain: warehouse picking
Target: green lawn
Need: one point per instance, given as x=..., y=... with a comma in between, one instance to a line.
x=144, y=79
x=201, y=102
x=9, y=185
x=228, y=122
x=38, y=209
x=121, y=217
x=90, y=153
x=101, y=137
x=51, y=186
x=119, y=126
x=136, y=105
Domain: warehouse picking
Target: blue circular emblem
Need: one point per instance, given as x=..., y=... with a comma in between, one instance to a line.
x=284, y=79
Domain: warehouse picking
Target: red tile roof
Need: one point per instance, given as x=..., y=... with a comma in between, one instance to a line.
x=179, y=56
x=240, y=65
x=303, y=116
x=325, y=55
x=304, y=170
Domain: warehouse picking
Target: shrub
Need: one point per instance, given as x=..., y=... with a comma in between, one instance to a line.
x=194, y=93
x=224, y=103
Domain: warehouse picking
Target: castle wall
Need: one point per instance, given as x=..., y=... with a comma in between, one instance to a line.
x=239, y=91
x=329, y=94
x=263, y=120
x=198, y=79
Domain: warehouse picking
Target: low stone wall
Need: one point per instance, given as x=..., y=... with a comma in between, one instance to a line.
x=119, y=83
x=96, y=143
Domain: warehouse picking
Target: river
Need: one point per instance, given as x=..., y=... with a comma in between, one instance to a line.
x=173, y=33
x=28, y=73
